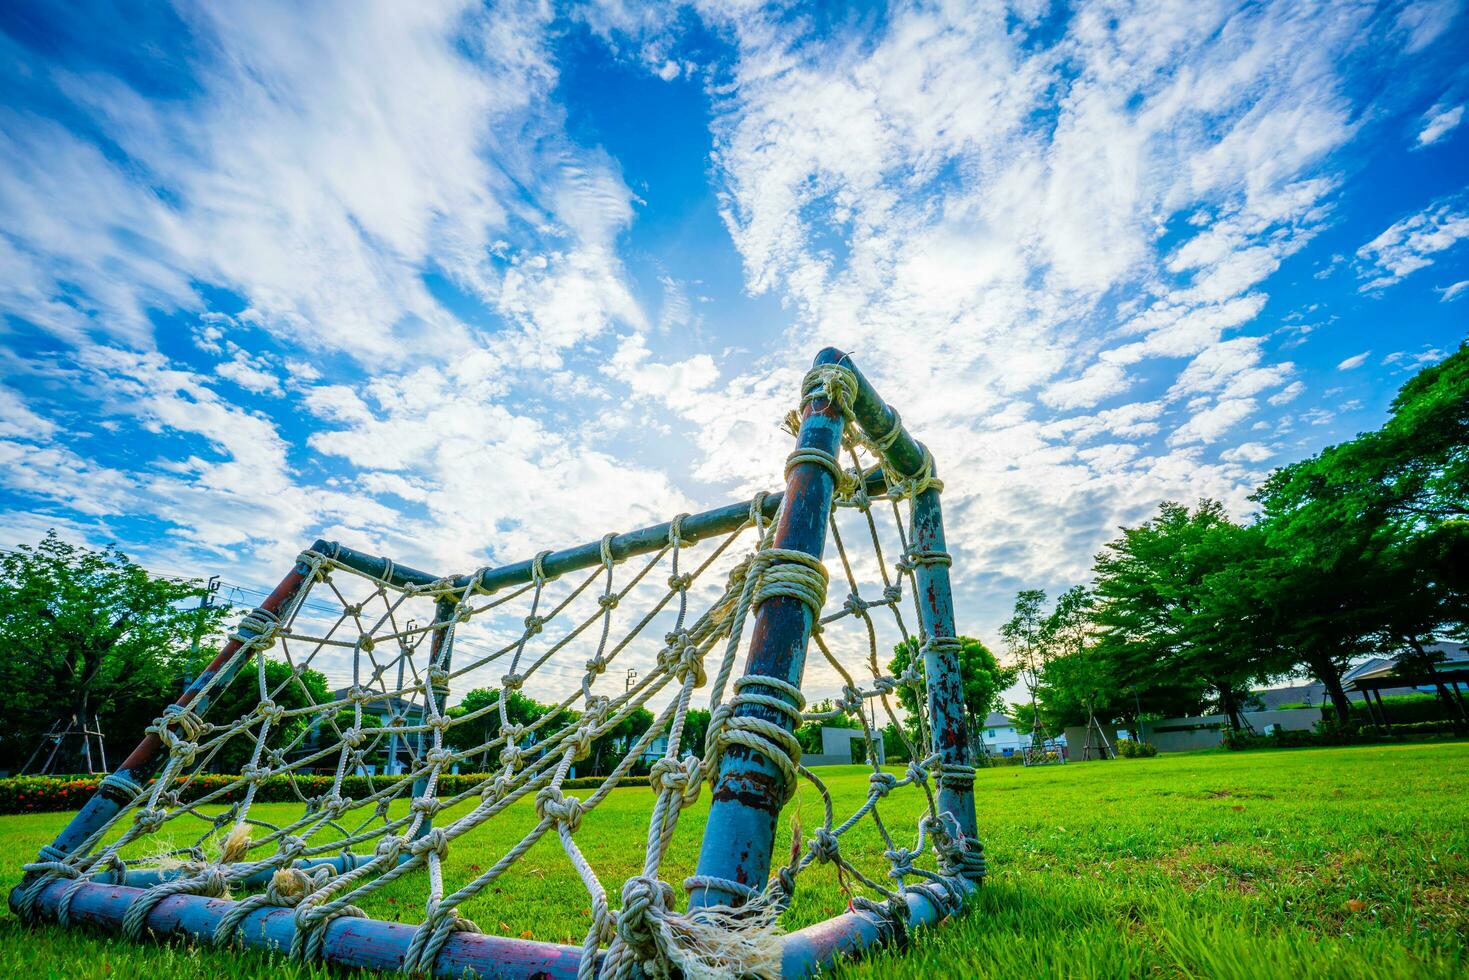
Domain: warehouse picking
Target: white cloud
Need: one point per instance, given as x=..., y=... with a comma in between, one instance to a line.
x=1355, y=361
x=1008, y=231
x=1248, y=452
x=1439, y=122
x=1410, y=244
x=1452, y=292
x=1210, y=424
x=1287, y=394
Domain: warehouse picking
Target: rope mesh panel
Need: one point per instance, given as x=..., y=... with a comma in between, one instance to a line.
x=398, y=651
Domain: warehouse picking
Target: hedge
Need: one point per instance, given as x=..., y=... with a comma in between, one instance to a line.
x=1326, y=735
x=48, y=794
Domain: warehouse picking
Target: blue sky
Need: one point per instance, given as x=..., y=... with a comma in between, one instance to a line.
x=455, y=282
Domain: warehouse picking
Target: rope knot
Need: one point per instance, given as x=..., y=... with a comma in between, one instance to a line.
x=438, y=676
x=496, y=788
x=426, y=805
x=148, y=820
x=439, y=757
x=901, y=860
x=835, y=383
x=270, y=711
x=550, y=804
x=851, y=700
x=892, y=593
x=680, y=583
x=681, y=656
x=513, y=681
x=436, y=841
x=882, y=783
x=390, y=847
x=353, y=737
x=855, y=604
x=609, y=600
x=335, y=805
x=645, y=902
x=824, y=846
x=683, y=777
x=533, y=625
x=254, y=775
x=596, y=666
x=182, y=718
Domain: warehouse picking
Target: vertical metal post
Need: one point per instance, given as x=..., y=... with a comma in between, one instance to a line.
x=941, y=660
x=113, y=794
x=441, y=647
x=903, y=458
x=740, y=833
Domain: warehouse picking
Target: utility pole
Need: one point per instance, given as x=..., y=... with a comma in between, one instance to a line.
x=206, y=600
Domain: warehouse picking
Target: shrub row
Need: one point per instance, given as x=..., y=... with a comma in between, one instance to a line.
x=48, y=794
x=1324, y=735
x=1130, y=749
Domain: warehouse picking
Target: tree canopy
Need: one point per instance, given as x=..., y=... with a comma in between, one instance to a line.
x=1362, y=548
x=982, y=674
x=87, y=633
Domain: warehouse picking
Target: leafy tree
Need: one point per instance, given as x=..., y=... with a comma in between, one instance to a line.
x=286, y=687
x=1025, y=636
x=1158, y=616
x=981, y=673
x=84, y=633
x=695, y=730
x=466, y=736
x=1372, y=535
x=608, y=750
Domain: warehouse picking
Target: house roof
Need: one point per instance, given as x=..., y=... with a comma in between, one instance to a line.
x=997, y=719
x=379, y=702
x=1455, y=655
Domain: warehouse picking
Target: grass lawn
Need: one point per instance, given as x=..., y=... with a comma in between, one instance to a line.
x=1331, y=862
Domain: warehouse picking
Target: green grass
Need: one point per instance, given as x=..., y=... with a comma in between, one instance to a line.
x=1324, y=862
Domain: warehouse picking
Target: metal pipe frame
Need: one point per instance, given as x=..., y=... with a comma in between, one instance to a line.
x=375, y=944
x=740, y=831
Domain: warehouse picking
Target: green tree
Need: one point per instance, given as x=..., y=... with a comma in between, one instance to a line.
x=614, y=745
x=1371, y=536
x=88, y=633
x=981, y=673
x=478, y=732
x=1025, y=637
x=287, y=687
x=1159, y=618
x=696, y=730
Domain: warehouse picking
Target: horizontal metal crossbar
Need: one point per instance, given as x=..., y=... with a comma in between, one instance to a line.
x=644, y=541
x=377, y=945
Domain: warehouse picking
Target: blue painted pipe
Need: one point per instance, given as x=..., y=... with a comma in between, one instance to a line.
x=905, y=458
x=740, y=833
x=377, y=945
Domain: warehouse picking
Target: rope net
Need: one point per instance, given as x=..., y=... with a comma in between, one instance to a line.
x=678, y=616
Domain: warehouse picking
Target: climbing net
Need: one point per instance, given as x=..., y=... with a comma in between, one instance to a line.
x=677, y=614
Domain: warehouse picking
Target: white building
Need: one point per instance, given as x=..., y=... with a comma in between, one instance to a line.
x=1000, y=737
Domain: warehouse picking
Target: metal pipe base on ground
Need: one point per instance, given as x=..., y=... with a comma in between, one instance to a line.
x=377, y=945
